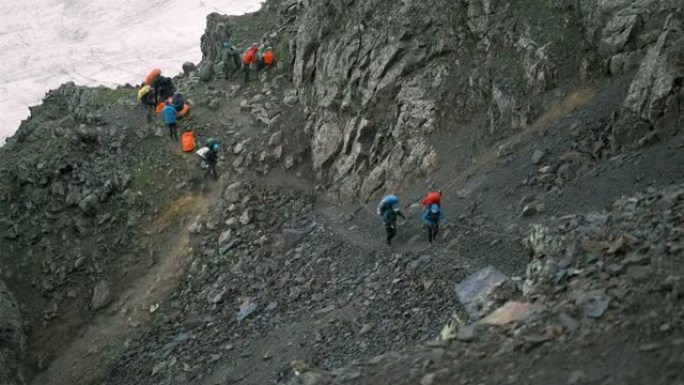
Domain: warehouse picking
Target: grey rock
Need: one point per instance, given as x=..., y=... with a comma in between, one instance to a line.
x=593, y=303
x=214, y=104
x=537, y=156
x=225, y=237
x=290, y=100
x=206, y=71
x=467, y=333
x=276, y=138
x=292, y=236
x=88, y=205
x=246, y=309
x=475, y=290
x=101, y=295
x=233, y=193
x=619, y=32
x=245, y=218
x=327, y=142
x=568, y=323
x=289, y=162
x=188, y=67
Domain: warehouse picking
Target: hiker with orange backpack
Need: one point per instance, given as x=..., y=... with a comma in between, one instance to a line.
x=248, y=59
x=267, y=59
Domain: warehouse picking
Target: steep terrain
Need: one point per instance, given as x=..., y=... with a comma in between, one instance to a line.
x=554, y=130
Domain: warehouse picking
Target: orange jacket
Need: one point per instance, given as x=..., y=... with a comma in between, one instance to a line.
x=250, y=56
x=432, y=198
x=269, y=58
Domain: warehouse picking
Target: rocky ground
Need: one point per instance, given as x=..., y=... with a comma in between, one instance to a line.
x=559, y=259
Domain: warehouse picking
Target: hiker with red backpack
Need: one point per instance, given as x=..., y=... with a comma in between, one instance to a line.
x=432, y=213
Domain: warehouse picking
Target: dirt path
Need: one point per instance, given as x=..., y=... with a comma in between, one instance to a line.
x=99, y=345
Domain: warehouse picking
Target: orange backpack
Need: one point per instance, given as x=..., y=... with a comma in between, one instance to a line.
x=188, y=141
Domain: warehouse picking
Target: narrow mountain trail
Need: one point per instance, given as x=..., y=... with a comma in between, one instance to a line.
x=90, y=355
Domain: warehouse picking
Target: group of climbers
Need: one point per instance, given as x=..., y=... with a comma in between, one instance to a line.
x=157, y=93
x=388, y=210
x=255, y=57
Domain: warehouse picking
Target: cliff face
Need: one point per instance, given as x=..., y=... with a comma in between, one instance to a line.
x=384, y=79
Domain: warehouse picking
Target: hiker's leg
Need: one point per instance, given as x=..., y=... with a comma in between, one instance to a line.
x=170, y=130
x=175, y=131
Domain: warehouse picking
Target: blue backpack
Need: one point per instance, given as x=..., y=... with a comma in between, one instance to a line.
x=387, y=202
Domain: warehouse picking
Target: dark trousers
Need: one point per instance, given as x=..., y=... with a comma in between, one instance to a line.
x=211, y=170
x=245, y=68
x=391, y=229
x=173, y=130
x=432, y=230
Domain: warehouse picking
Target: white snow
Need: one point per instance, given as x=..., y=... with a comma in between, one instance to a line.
x=45, y=43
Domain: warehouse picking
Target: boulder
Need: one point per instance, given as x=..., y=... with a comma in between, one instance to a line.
x=327, y=142
x=206, y=71
x=101, y=295
x=225, y=237
x=233, y=192
x=474, y=292
x=188, y=67
x=88, y=205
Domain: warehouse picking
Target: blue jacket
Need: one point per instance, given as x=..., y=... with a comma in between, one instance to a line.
x=169, y=114
x=389, y=216
x=430, y=218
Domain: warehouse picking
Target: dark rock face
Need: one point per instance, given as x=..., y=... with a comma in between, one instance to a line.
x=376, y=75
x=12, y=339
x=656, y=97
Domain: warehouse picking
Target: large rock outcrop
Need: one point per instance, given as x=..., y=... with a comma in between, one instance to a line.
x=655, y=102
x=380, y=78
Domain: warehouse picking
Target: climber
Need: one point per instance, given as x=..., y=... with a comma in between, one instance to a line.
x=248, y=59
x=148, y=99
x=170, y=114
x=268, y=58
x=178, y=101
x=431, y=217
x=164, y=87
x=389, y=213
x=230, y=58
x=434, y=197
x=209, y=155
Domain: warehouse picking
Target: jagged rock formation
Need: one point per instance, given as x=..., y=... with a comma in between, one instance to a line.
x=655, y=101
x=379, y=78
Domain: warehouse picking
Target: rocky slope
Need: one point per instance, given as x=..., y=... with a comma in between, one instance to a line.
x=121, y=263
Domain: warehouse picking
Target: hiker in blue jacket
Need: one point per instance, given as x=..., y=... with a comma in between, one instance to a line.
x=389, y=215
x=169, y=114
x=431, y=216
